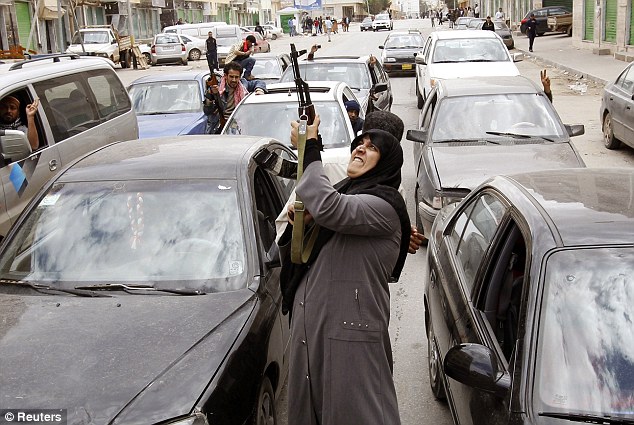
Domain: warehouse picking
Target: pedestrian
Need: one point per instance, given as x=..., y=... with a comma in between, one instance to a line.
x=432, y=15
x=335, y=26
x=212, y=52
x=291, y=31
x=295, y=23
x=347, y=19
x=259, y=29
x=488, y=24
x=499, y=15
x=439, y=16
x=180, y=21
x=241, y=52
x=328, y=26
x=470, y=12
x=316, y=23
x=531, y=31
x=224, y=97
x=10, y=118
x=340, y=353
x=476, y=11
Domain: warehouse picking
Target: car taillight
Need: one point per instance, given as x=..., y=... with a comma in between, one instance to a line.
x=524, y=21
x=153, y=49
x=183, y=48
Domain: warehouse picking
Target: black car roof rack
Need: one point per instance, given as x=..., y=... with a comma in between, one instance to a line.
x=36, y=58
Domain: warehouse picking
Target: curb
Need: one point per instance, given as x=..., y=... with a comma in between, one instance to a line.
x=576, y=72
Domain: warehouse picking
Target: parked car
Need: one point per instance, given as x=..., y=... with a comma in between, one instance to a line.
x=617, y=106
x=460, y=54
x=273, y=31
x=261, y=44
x=149, y=272
x=399, y=51
x=357, y=71
x=270, y=114
x=168, y=48
x=251, y=28
x=382, y=21
x=366, y=24
x=527, y=298
x=473, y=23
x=541, y=16
x=169, y=104
x=83, y=106
x=503, y=31
x=199, y=30
x=475, y=128
x=270, y=66
x=196, y=47
x=461, y=22
x=226, y=36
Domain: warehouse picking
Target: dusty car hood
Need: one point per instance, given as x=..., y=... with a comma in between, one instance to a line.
x=167, y=124
x=472, y=69
x=468, y=166
x=93, y=356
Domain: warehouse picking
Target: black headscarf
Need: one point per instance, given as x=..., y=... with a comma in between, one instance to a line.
x=381, y=181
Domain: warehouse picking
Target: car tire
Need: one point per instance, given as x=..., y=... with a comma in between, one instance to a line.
x=274, y=37
x=194, y=54
x=184, y=61
x=435, y=367
x=264, y=412
x=148, y=58
x=609, y=140
x=420, y=102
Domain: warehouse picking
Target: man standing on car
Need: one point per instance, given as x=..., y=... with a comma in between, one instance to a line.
x=241, y=52
x=531, y=31
x=212, y=52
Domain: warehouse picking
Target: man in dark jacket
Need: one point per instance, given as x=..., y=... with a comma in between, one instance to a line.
x=531, y=31
x=212, y=52
x=488, y=24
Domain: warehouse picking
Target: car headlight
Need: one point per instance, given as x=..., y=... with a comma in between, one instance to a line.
x=390, y=59
x=195, y=419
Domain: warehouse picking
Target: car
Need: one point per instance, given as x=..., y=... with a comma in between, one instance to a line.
x=226, y=36
x=168, y=48
x=357, y=71
x=169, y=104
x=541, y=16
x=270, y=114
x=151, y=274
x=251, y=28
x=270, y=66
x=460, y=54
x=83, y=106
x=617, y=104
x=473, y=23
x=399, y=51
x=475, y=128
x=503, y=31
x=273, y=32
x=199, y=30
x=382, y=21
x=527, y=297
x=366, y=24
x=461, y=22
x=261, y=44
x=196, y=47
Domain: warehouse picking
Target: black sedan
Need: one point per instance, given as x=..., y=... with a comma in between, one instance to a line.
x=475, y=128
x=529, y=300
x=617, y=110
x=399, y=51
x=142, y=287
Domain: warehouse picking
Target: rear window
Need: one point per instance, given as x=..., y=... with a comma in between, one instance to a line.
x=383, y=17
x=167, y=39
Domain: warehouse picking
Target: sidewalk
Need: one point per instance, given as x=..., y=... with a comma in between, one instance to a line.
x=557, y=50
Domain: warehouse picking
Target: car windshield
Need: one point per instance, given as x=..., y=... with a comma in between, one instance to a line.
x=166, y=97
x=474, y=23
x=92, y=37
x=182, y=234
x=267, y=68
x=471, y=117
x=404, y=42
x=355, y=74
x=273, y=120
x=585, y=354
x=470, y=50
x=367, y=20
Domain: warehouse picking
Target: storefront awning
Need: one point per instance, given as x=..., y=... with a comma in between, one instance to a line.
x=49, y=10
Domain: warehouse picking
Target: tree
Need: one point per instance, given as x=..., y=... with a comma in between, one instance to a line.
x=378, y=6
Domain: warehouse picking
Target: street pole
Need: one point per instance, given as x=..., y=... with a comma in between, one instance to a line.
x=130, y=33
x=60, y=27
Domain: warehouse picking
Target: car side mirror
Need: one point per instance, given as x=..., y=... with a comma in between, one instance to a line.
x=517, y=57
x=420, y=60
x=381, y=47
x=380, y=87
x=477, y=366
x=575, y=130
x=419, y=136
x=113, y=42
x=14, y=146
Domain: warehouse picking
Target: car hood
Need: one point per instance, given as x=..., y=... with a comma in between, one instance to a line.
x=467, y=166
x=136, y=358
x=472, y=69
x=166, y=124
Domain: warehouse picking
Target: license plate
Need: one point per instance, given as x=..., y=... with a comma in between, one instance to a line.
x=167, y=48
x=407, y=66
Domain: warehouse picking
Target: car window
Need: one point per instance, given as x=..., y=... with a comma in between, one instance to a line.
x=626, y=80
x=186, y=39
x=403, y=41
x=267, y=67
x=166, y=97
x=459, y=225
x=190, y=31
x=479, y=231
x=268, y=205
x=167, y=39
x=541, y=13
x=110, y=95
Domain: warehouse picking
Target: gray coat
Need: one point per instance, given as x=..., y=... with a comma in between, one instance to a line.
x=340, y=354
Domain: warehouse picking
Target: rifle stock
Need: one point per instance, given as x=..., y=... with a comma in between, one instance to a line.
x=221, y=110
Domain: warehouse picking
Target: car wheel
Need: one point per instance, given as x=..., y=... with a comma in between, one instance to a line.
x=148, y=58
x=419, y=222
x=420, y=102
x=265, y=413
x=609, y=140
x=435, y=367
x=274, y=37
x=194, y=54
x=184, y=61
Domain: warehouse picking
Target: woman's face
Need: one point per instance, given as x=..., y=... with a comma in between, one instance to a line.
x=364, y=158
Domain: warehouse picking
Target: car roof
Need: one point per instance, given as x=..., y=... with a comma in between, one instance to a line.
x=172, y=158
x=180, y=76
x=452, y=35
x=338, y=59
x=586, y=206
x=474, y=86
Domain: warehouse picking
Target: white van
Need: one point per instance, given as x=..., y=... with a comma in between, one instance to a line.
x=226, y=36
x=197, y=30
x=83, y=106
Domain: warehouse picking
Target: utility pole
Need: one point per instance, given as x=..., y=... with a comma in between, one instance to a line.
x=130, y=33
x=60, y=26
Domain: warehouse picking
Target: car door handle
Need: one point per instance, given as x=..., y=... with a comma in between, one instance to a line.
x=52, y=165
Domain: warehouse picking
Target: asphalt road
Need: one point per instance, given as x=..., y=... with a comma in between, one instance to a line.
x=407, y=329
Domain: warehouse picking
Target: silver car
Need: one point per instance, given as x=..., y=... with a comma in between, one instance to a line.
x=503, y=31
x=617, y=105
x=168, y=48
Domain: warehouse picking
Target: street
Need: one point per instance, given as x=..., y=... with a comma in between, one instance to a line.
x=409, y=344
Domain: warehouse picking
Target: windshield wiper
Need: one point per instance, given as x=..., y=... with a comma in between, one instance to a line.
x=595, y=419
x=42, y=288
x=466, y=141
x=521, y=136
x=134, y=289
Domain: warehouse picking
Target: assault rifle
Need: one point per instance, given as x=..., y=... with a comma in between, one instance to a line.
x=213, y=81
x=306, y=111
